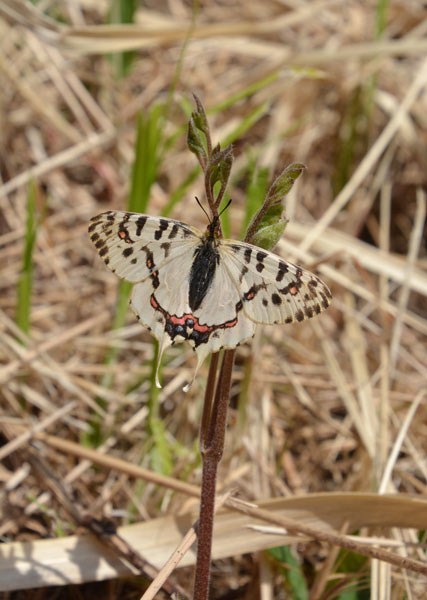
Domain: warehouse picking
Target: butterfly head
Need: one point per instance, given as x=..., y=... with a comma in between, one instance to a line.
x=213, y=230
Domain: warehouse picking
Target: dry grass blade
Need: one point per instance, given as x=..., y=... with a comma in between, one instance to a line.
x=334, y=405
x=75, y=559
x=371, y=158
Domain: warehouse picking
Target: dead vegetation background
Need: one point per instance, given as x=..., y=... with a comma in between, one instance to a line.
x=336, y=405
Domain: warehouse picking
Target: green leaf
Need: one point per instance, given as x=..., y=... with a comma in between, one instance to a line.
x=195, y=143
x=220, y=165
x=267, y=225
x=199, y=117
x=267, y=237
x=282, y=185
x=292, y=572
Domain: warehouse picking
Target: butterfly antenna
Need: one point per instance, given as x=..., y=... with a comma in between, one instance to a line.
x=203, y=208
x=226, y=206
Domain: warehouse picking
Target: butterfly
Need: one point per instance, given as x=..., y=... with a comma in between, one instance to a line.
x=195, y=286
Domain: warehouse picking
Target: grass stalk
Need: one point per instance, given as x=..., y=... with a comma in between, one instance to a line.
x=25, y=281
x=148, y=152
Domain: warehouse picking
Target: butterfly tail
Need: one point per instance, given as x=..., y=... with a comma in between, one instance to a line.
x=164, y=343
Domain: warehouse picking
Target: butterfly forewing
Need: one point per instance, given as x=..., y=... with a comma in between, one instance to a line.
x=133, y=245
x=271, y=289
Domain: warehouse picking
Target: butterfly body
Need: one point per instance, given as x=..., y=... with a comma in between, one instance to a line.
x=206, y=259
x=195, y=286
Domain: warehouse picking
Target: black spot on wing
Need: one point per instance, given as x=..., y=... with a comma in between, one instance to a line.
x=155, y=279
x=127, y=252
x=140, y=224
x=309, y=312
x=174, y=231
x=243, y=272
x=123, y=232
x=247, y=254
x=282, y=269
x=325, y=300
x=186, y=232
x=260, y=256
x=292, y=288
x=163, y=225
x=299, y=315
x=276, y=299
x=166, y=247
x=149, y=261
x=253, y=291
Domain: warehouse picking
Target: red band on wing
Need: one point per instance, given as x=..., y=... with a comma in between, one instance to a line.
x=188, y=326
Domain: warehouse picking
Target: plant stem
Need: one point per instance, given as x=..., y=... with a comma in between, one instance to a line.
x=212, y=435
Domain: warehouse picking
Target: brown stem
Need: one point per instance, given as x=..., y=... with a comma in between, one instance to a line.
x=212, y=437
x=220, y=194
x=209, y=396
x=216, y=432
x=210, y=195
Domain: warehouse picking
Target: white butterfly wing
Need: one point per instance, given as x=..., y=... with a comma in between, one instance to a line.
x=249, y=285
x=271, y=289
x=220, y=310
x=134, y=245
x=216, y=324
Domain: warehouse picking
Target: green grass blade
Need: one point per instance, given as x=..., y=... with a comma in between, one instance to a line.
x=181, y=190
x=355, y=128
x=246, y=92
x=247, y=123
x=148, y=152
x=24, y=292
x=122, y=12
x=144, y=172
x=292, y=572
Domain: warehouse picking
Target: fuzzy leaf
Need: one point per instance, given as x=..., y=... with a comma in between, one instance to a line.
x=220, y=165
x=199, y=116
x=194, y=142
x=282, y=185
x=267, y=225
x=267, y=237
